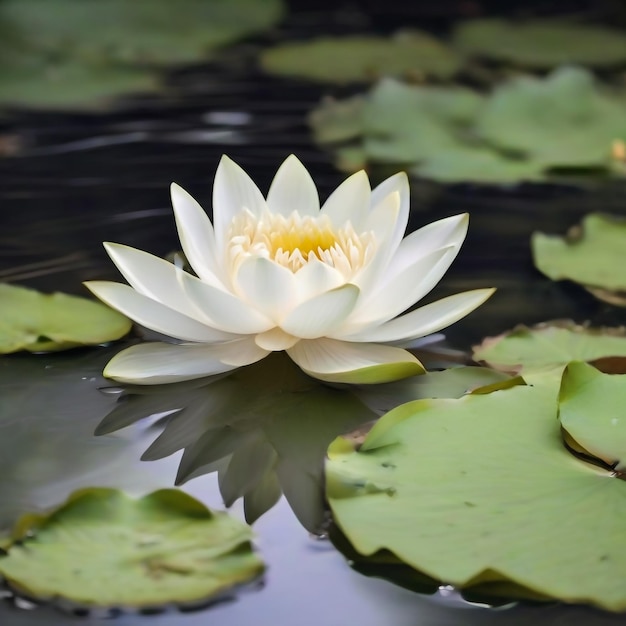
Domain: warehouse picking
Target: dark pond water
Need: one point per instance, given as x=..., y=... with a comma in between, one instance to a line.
x=83, y=179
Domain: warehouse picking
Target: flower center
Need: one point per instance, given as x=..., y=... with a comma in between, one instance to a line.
x=296, y=240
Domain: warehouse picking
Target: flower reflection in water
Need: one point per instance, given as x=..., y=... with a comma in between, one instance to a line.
x=264, y=429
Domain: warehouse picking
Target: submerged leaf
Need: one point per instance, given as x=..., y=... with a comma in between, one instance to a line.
x=541, y=43
x=481, y=490
x=592, y=254
x=103, y=548
x=362, y=57
x=549, y=345
x=38, y=322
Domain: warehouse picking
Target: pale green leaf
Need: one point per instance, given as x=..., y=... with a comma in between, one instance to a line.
x=564, y=120
x=481, y=490
x=592, y=254
x=549, y=345
x=591, y=412
x=102, y=548
x=541, y=43
x=362, y=57
x=38, y=322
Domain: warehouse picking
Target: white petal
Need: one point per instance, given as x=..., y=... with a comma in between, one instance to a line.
x=322, y=314
x=151, y=276
x=196, y=235
x=293, y=189
x=427, y=319
x=153, y=314
x=233, y=192
x=401, y=291
x=275, y=340
x=382, y=222
x=444, y=233
x=267, y=286
x=350, y=202
x=360, y=363
x=224, y=310
x=157, y=363
x=315, y=278
x=398, y=182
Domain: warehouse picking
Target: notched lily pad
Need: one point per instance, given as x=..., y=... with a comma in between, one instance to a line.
x=103, y=548
x=37, y=322
x=481, y=492
x=362, y=57
x=592, y=254
x=552, y=344
x=591, y=410
x=542, y=43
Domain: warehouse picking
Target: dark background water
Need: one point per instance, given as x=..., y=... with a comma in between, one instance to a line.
x=80, y=179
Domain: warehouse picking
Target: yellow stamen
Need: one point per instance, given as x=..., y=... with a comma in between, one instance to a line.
x=297, y=240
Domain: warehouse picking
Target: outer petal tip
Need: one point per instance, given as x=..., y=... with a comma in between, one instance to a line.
x=374, y=374
x=354, y=363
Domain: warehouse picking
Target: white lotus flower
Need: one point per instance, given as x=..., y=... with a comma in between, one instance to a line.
x=326, y=285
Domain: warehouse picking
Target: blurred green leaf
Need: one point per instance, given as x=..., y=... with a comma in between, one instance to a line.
x=541, y=43
x=362, y=57
x=38, y=322
x=563, y=120
x=526, y=129
x=103, y=548
x=68, y=53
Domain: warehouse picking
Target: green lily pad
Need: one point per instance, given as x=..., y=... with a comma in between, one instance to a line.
x=73, y=54
x=541, y=43
x=73, y=83
x=102, y=548
x=143, y=31
x=591, y=412
x=39, y=322
x=563, y=120
x=409, y=123
x=479, y=165
x=526, y=129
x=361, y=57
x=549, y=345
x=479, y=492
x=591, y=254
x=337, y=120
x=449, y=383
